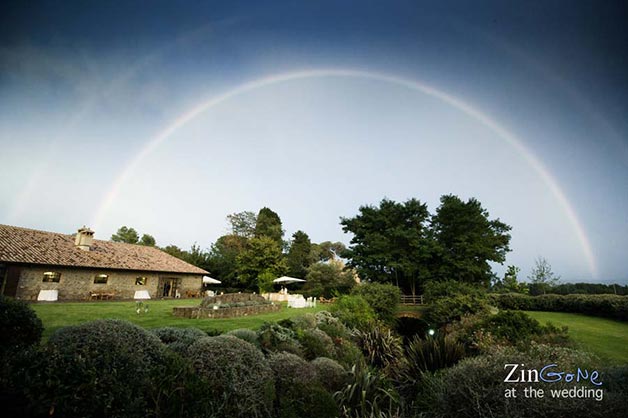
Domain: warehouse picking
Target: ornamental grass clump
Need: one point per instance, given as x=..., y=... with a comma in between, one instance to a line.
x=237, y=373
x=381, y=348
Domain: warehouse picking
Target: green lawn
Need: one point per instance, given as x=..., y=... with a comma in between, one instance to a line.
x=60, y=314
x=604, y=337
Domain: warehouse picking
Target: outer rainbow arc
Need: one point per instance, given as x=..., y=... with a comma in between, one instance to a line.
x=503, y=133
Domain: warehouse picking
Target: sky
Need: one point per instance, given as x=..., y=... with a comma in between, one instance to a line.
x=167, y=116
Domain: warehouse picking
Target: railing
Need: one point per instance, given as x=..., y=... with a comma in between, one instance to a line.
x=412, y=299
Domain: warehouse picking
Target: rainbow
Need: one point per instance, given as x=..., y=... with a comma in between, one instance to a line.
x=453, y=101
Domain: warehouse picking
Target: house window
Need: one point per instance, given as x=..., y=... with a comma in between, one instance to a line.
x=101, y=279
x=52, y=276
x=140, y=281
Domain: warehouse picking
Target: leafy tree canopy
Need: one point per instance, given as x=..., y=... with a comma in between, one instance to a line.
x=223, y=257
x=299, y=255
x=125, y=234
x=390, y=243
x=542, y=277
x=269, y=225
x=327, y=279
x=263, y=254
x=147, y=240
x=466, y=240
x=243, y=223
x=326, y=251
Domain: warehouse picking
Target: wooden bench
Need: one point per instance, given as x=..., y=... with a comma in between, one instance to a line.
x=101, y=295
x=192, y=293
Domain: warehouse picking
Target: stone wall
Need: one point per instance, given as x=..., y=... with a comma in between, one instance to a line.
x=78, y=284
x=196, y=312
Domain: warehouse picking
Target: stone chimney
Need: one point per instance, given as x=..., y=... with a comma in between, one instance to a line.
x=84, y=238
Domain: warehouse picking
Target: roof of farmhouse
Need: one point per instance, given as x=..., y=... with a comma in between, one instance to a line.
x=29, y=246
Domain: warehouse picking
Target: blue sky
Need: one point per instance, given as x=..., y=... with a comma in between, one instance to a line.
x=318, y=108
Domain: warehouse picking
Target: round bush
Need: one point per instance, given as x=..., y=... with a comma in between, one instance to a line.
x=289, y=369
x=353, y=311
x=383, y=298
x=19, y=326
x=237, y=373
x=178, y=339
x=99, y=368
x=245, y=334
x=330, y=373
x=315, y=343
x=299, y=392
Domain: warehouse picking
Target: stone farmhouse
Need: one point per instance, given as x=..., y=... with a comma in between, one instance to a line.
x=78, y=267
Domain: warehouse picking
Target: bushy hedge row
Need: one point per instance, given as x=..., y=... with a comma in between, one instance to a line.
x=608, y=306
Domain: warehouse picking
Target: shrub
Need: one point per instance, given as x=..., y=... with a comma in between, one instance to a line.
x=330, y=373
x=353, y=311
x=331, y=325
x=381, y=348
x=235, y=371
x=307, y=321
x=475, y=387
x=246, y=334
x=383, y=298
x=608, y=306
x=178, y=339
x=19, y=326
x=299, y=392
x=275, y=338
x=100, y=368
x=448, y=309
x=315, y=343
x=514, y=327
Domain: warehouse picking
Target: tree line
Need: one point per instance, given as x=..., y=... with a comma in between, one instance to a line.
x=254, y=252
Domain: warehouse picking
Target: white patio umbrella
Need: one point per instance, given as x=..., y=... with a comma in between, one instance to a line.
x=286, y=279
x=209, y=280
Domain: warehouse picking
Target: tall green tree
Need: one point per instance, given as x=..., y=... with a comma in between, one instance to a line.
x=223, y=258
x=268, y=224
x=125, y=234
x=147, y=240
x=243, y=223
x=466, y=240
x=326, y=251
x=542, y=278
x=299, y=256
x=389, y=243
x=262, y=255
x=327, y=279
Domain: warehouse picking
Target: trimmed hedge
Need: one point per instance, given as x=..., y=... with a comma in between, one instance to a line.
x=607, y=306
x=178, y=339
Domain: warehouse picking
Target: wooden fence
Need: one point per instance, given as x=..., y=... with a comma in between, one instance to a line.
x=412, y=299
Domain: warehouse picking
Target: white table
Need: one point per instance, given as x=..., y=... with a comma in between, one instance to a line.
x=48, y=295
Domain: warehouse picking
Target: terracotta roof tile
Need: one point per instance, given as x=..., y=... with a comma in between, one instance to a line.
x=22, y=245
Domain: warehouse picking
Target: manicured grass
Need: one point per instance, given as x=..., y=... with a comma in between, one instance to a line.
x=604, y=337
x=60, y=314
